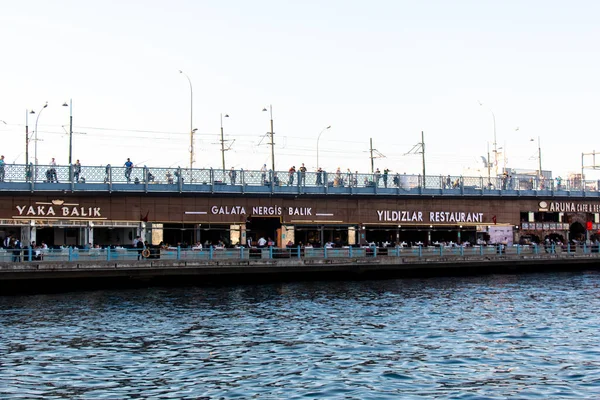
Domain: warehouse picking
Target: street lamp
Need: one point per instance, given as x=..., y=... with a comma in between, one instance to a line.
x=223, y=142
x=539, y=156
x=70, y=105
x=495, y=143
x=27, y=112
x=272, y=143
x=192, y=130
x=35, y=138
x=319, y=137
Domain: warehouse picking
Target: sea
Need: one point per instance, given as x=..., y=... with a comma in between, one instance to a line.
x=529, y=336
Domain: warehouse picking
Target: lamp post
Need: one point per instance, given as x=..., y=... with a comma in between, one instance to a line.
x=495, y=143
x=70, y=105
x=27, y=112
x=272, y=143
x=192, y=130
x=36, y=138
x=539, y=157
x=488, y=164
x=319, y=137
x=223, y=143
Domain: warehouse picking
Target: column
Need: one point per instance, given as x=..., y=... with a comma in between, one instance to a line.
x=32, y=233
x=89, y=234
x=362, y=233
x=235, y=234
x=243, y=239
x=287, y=234
x=26, y=234
x=141, y=231
x=351, y=235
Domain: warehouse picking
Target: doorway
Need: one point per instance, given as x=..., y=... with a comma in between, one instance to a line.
x=45, y=235
x=577, y=231
x=266, y=227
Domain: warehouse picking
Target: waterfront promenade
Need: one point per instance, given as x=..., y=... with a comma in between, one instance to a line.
x=77, y=269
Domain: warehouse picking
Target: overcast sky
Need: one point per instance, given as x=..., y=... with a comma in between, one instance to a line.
x=385, y=70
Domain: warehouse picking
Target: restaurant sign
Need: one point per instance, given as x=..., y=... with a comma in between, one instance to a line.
x=261, y=210
x=57, y=209
x=433, y=216
x=567, y=206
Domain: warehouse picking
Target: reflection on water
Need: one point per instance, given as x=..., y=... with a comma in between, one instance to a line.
x=526, y=336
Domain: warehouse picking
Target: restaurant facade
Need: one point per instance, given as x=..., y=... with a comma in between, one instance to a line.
x=83, y=219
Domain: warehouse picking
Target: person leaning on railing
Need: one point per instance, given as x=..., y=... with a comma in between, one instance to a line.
x=1, y=168
x=76, y=171
x=28, y=170
x=319, y=180
x=107, y=174
x=128, y=168
x=51, y=175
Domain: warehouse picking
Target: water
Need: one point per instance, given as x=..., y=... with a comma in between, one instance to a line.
x=523, y=336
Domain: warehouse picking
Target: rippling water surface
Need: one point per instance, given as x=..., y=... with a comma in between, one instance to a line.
x=525, y=336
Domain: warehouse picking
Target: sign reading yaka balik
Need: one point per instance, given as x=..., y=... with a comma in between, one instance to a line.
x=57, y=209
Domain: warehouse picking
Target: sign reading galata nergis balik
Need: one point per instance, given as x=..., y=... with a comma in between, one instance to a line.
x=261, y=210
x=57, y=209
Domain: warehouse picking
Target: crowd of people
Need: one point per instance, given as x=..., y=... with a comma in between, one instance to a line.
x=13, y=245
x=298, y=176
x=336, y=179
x=347, y=178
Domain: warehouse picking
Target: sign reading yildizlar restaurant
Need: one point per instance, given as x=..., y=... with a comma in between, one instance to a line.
x=57, y=209
x=432, y=216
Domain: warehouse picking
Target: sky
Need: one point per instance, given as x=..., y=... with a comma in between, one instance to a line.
x=473, y=76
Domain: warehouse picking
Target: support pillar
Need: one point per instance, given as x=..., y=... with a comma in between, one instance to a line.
x=287, y=234
x=321, y=236
x=243, y=236
x=351, y=236
x=141, y=231
x=235, y=234
x=362, y=236
x=89, y=235
x=32, y=233
x=26, y=234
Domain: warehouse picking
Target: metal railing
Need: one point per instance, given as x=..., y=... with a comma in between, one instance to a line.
x=70, y=255
x=47, y=177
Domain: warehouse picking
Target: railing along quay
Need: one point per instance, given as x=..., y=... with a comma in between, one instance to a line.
x=74, y=255
x=17, y=177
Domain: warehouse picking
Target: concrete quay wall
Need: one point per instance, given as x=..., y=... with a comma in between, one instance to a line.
x=56, y=275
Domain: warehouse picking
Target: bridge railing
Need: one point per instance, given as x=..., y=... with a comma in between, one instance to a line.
x=270, y=253
x=336, y=181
